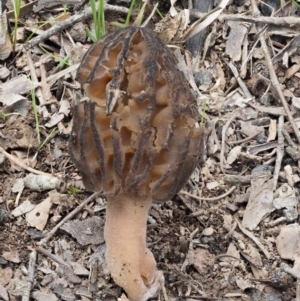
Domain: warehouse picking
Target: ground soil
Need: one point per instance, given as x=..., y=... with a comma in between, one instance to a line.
x=190, y=250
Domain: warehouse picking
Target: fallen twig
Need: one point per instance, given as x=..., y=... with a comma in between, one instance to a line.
x=239, y=79
x=280, y=152
x=59, y=26
x=290, y=22
x=23, y=165
x=254, y=239
x=243, y=140
x=38, y=90
x=54, y=77
x=289, y=139
x=245, y=180
x=69, y=216
x=286, y=268
x=145, y=23
x=217, y=198
x=30, y=276
x=52, y=256
x=273, y=76
x=229, y=234
x=223, y=140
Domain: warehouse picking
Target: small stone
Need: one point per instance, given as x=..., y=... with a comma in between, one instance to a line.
x=35, y=234
x=4, y=73
x=25, y=207
x=242, y=198
x=3, y=261
x=263, y=167
x=212, y=185
x=203, y=77
x=3, y=217
x=47, y=279
x=12, y=256
x=41, y=296
x=261, y=139
x=3, y=293
x=290, y=215
x=232, y=207
x=78, y=32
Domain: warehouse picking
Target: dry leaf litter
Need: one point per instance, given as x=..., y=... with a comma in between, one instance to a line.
x=232, y=233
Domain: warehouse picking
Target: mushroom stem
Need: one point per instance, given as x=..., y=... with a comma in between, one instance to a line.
x=131, y=264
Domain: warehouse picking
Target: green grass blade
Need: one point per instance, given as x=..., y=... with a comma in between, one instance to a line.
x=90, y=35
x=129, y=13
x=35, y=111
x=102, y=18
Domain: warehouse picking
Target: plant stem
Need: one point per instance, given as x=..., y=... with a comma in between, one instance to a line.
x=129, y=13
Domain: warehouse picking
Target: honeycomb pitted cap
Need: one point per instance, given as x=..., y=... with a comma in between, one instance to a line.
x=139, y=134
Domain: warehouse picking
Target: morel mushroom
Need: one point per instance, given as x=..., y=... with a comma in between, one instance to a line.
x=138, y=140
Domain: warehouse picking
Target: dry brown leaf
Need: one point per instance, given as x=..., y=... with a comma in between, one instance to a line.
x=236, y=99
x=248, y=129
x=207, y=19
x=288, y=242
x=235, y=40
x=62, y=290
x=172, y=28
x=202, y=259
x=233, y=154
x=25, y=207
x=18, y=186
x=42, y=296
x=292, y=70
x=285, y=197
x=18, y=284
x=79, y=269
x=232, y=251
x=12, y=256
x=260, y=203
x=227, y=220
x=6, y=274
x=54, y=120
x=3, y=293
x=38, y=217
x=10, y=90
x=243, y=283
x=89, y=231
x=64, y=107
x=5, y=43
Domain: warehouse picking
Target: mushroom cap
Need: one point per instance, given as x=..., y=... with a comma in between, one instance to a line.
x=139, y=134
x=288, y=242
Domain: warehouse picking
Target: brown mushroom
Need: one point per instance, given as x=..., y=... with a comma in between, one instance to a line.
x=138, y=140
